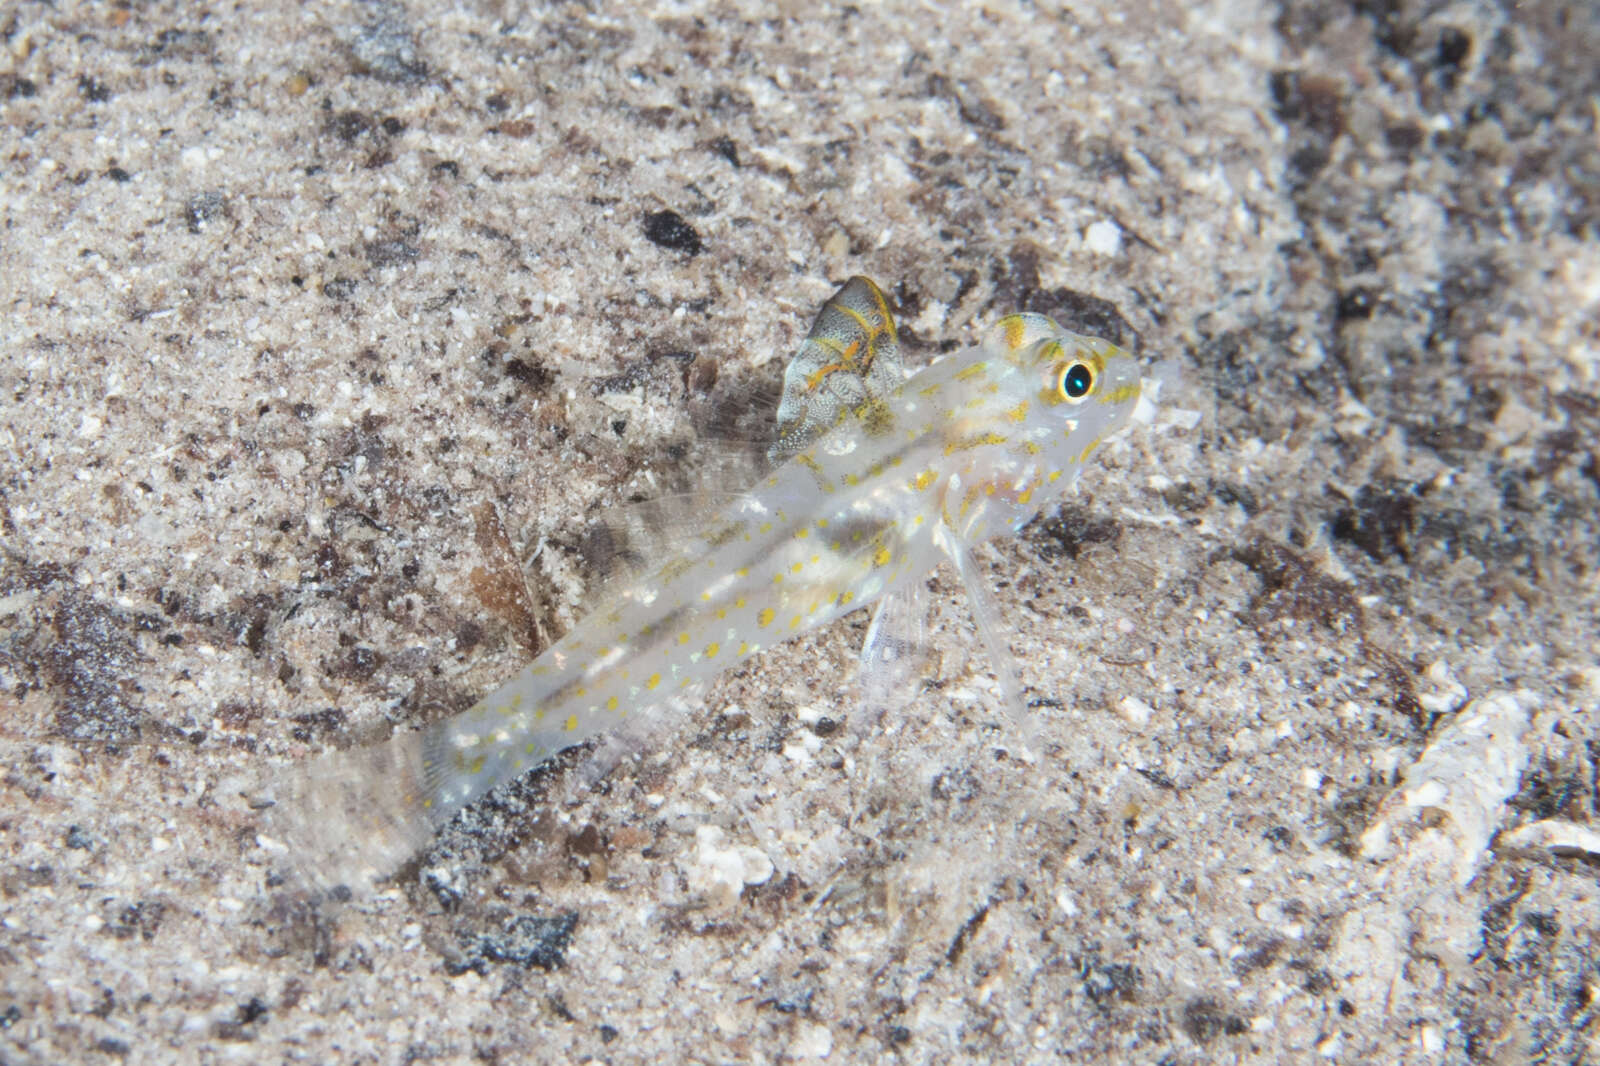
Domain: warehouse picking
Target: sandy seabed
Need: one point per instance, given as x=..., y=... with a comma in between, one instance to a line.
x=328, y=334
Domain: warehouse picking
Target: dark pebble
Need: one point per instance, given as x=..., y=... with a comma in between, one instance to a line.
x=669, y=230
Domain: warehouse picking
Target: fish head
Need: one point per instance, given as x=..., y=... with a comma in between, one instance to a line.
x=1059, y=396
x=1074, y=378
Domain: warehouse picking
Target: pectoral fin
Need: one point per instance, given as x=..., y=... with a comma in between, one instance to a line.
x=893, y=654
x=986, y=614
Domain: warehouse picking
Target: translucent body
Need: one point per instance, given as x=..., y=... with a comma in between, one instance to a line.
x=972, y=447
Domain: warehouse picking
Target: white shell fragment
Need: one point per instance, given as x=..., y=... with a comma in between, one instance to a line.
x=721, y=870
x=1103, y=237
x=1134, y=711
x=1466, y=775
x=1448, y=695
x=1555, y=836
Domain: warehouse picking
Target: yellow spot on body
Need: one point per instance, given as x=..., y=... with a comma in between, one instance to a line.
x=712, y=649
x=572, y=723
x=1019, y=412
x=706, y=596
x=477, y=766
x=655, y=679
x=1032, y=447
x=683, y=638
x=924, y=479
x=766, y=527
x=743, y=647
x=881, y=558
x=845, y=597
x=796, y=568
x=794, y=623
x=1025, y=495
x=976, y=370
x=722, y=612
x=777, y=579
x=822, y=523
x=1016, y=327
x=582, y=691
x=973, y=442
x=1092, y=446
x=764, y=619
x=531, y=749
x=1054, y=475
x=611, y=704
x=739, y=602
x=851, y=479
x=802, y=532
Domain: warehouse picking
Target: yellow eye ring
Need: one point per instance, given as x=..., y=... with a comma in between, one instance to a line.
x=1075, y=382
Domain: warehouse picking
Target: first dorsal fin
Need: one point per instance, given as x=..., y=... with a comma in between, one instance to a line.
x=849, y=363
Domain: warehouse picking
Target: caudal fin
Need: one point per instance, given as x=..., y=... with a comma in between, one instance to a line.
x=348, y=818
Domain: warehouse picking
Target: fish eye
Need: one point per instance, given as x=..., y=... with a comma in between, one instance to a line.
x=1075, y=381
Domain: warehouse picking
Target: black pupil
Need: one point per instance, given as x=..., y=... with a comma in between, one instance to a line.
x=1077, y=381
